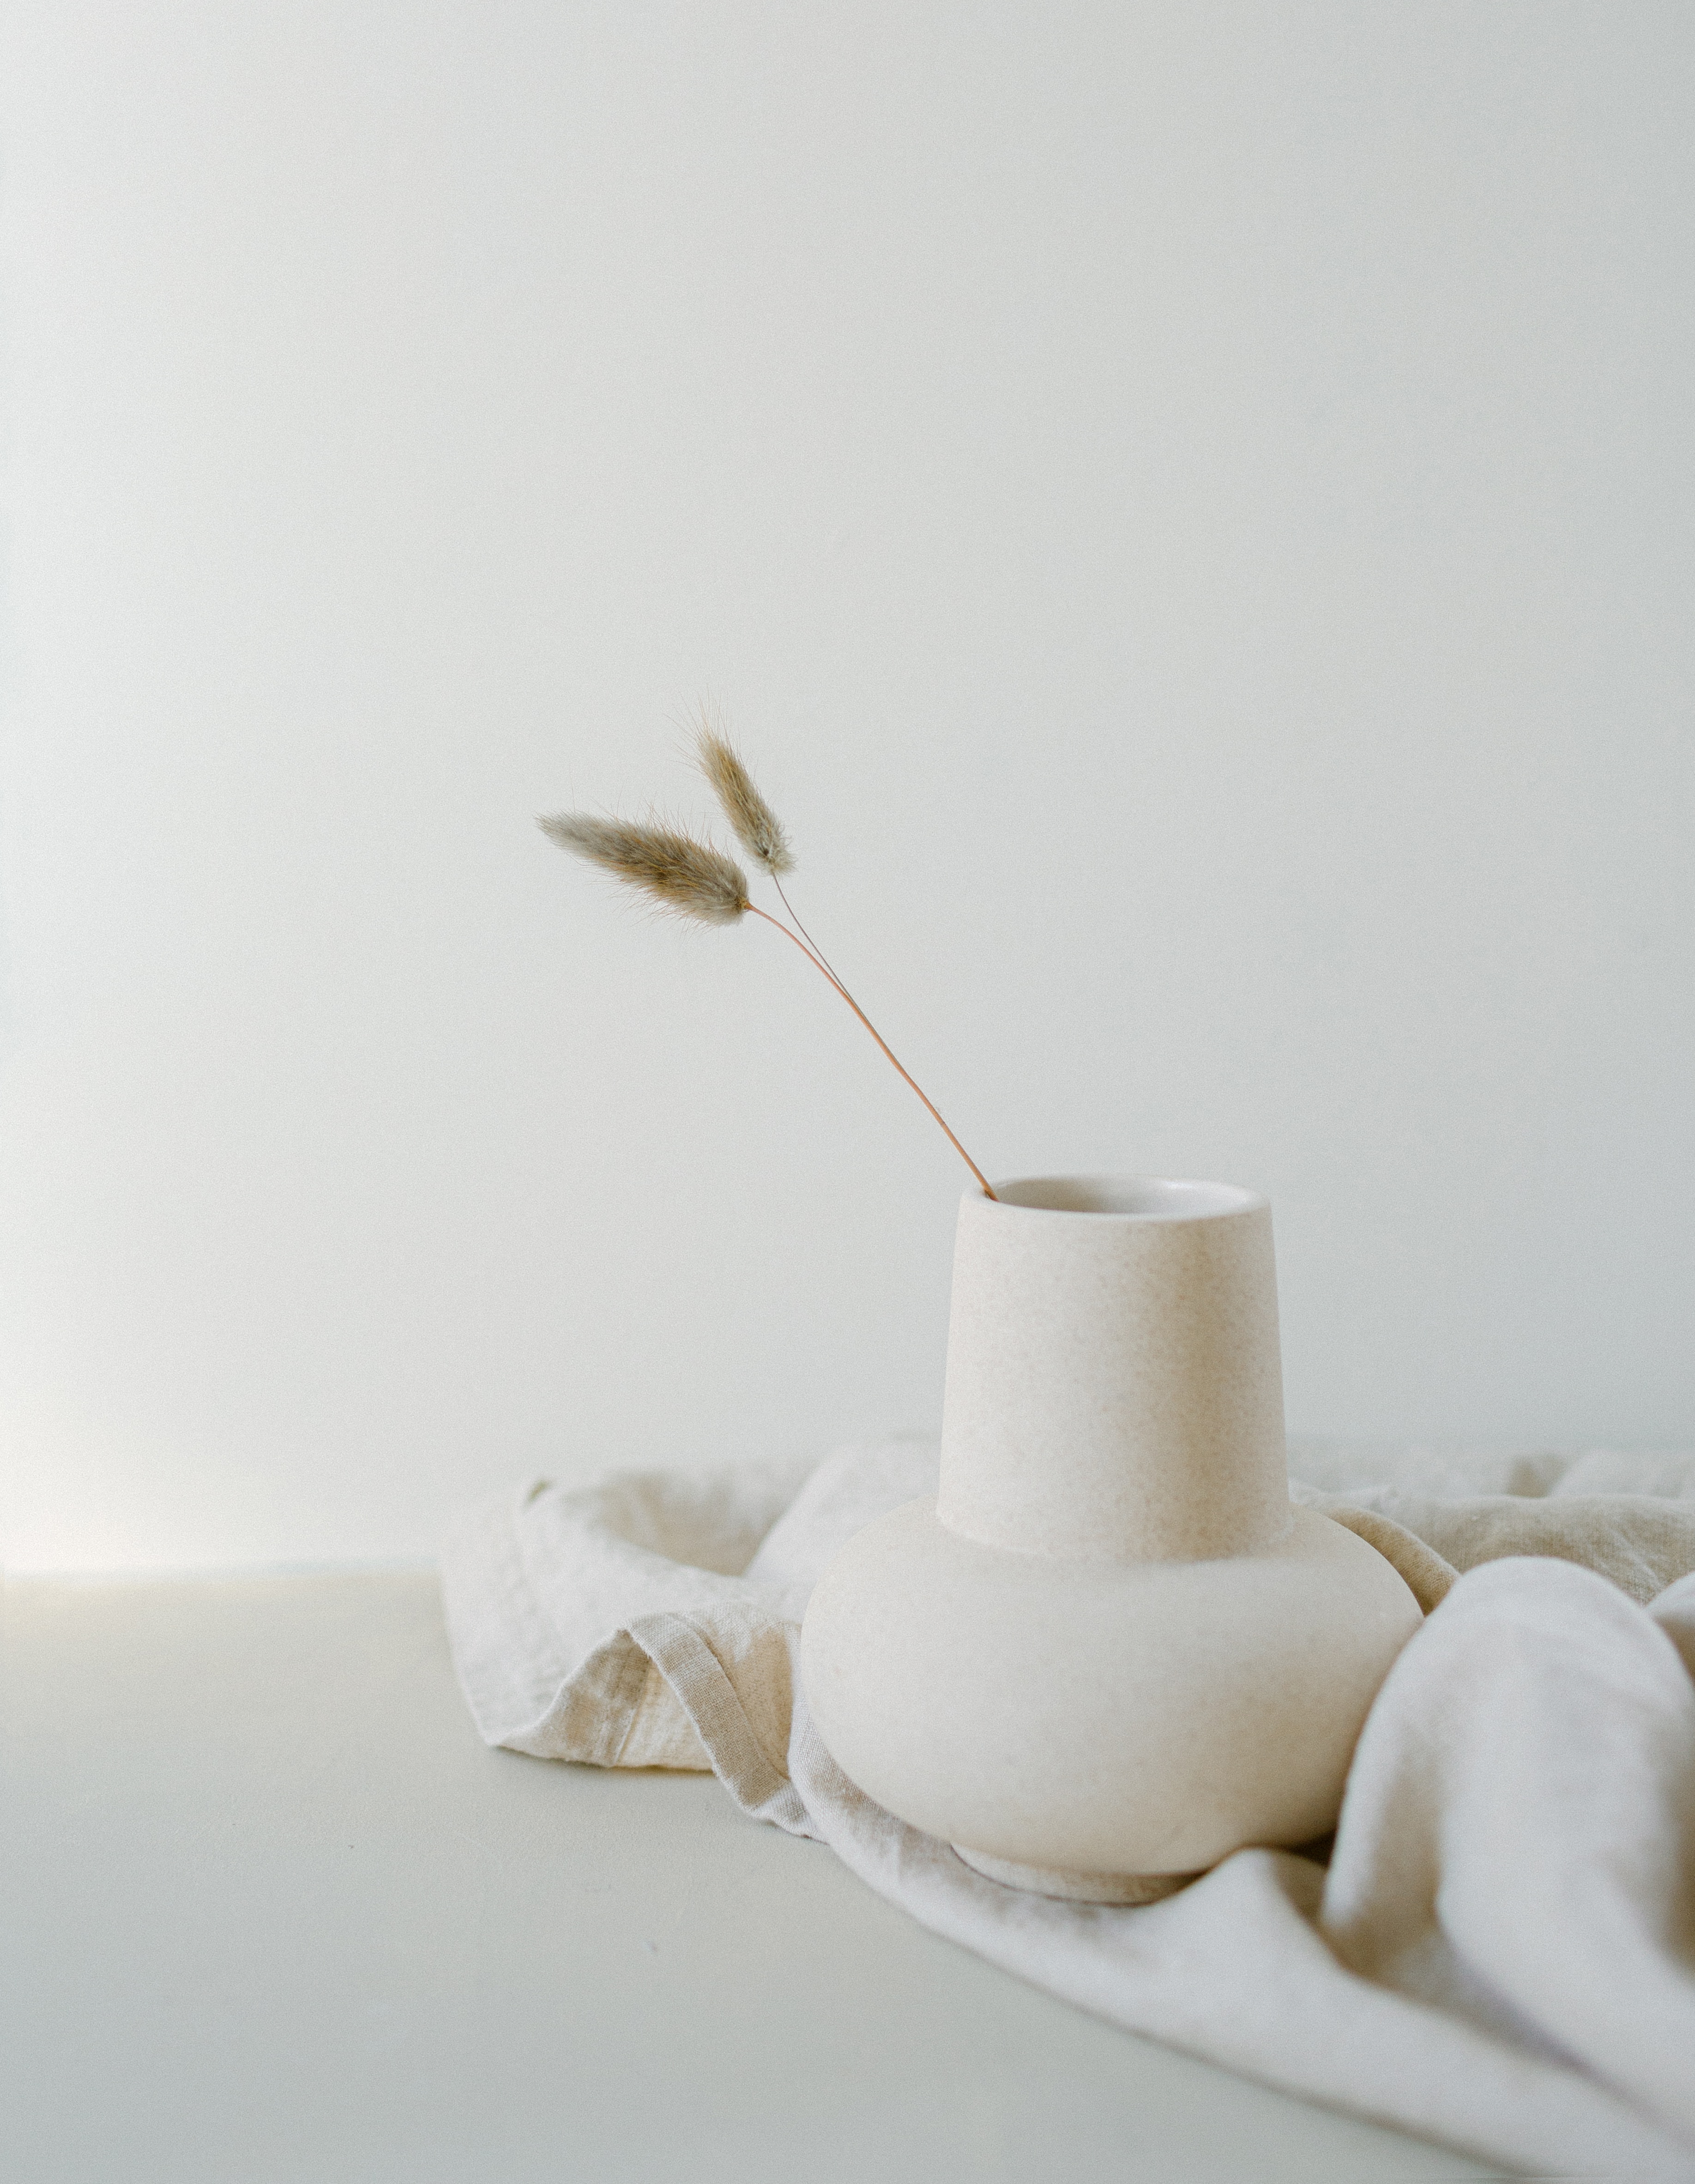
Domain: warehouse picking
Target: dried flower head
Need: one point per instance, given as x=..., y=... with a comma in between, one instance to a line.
x=692, y=879
x=689, y=878
x=754, y=825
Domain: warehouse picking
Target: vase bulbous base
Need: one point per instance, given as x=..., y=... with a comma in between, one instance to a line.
x=1060, y=1717
x=1119, y=1888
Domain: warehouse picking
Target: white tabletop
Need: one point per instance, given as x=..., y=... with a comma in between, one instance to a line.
x=272, y=1911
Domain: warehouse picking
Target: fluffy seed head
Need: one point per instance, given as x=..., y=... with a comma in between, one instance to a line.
x=754, y=825
x=687, y=877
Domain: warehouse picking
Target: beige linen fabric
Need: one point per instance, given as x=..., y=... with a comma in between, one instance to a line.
x=1502, y=1953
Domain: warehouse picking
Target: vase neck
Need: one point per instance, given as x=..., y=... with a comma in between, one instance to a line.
x=1114, y=1385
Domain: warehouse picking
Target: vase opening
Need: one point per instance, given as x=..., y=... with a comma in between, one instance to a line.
x=1136, y=1198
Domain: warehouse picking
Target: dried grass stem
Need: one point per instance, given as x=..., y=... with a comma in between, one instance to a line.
x=692, y=878
x=778, y=925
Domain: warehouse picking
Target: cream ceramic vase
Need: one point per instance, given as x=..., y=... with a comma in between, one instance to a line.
x=1111, y=1652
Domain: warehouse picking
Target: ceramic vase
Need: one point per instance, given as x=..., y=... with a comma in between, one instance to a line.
x=1110, y=1653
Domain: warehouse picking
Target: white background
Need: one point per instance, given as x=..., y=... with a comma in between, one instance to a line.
x=1188, y=507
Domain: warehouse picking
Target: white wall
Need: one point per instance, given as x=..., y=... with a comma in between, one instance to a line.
x=1189, y=508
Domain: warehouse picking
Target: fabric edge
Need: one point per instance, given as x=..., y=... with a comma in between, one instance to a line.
x=504, y=1654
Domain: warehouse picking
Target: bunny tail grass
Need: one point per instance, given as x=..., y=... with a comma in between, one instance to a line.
x=686, y=878
x=753, y=822
x=756, y=826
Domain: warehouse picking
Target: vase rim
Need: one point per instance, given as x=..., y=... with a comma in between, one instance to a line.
x=1136, y=1198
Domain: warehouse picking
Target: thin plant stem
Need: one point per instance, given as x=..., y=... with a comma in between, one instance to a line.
x=810, y=943
x=818, y=963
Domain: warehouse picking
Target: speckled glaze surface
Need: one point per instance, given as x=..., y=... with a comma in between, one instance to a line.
x=1110, y=1653
x=1114, y=1379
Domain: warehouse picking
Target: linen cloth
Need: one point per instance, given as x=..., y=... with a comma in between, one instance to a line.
x=1500, y=1953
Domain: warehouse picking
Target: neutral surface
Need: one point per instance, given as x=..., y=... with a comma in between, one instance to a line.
x=271, y=1912
x=1188, y=503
